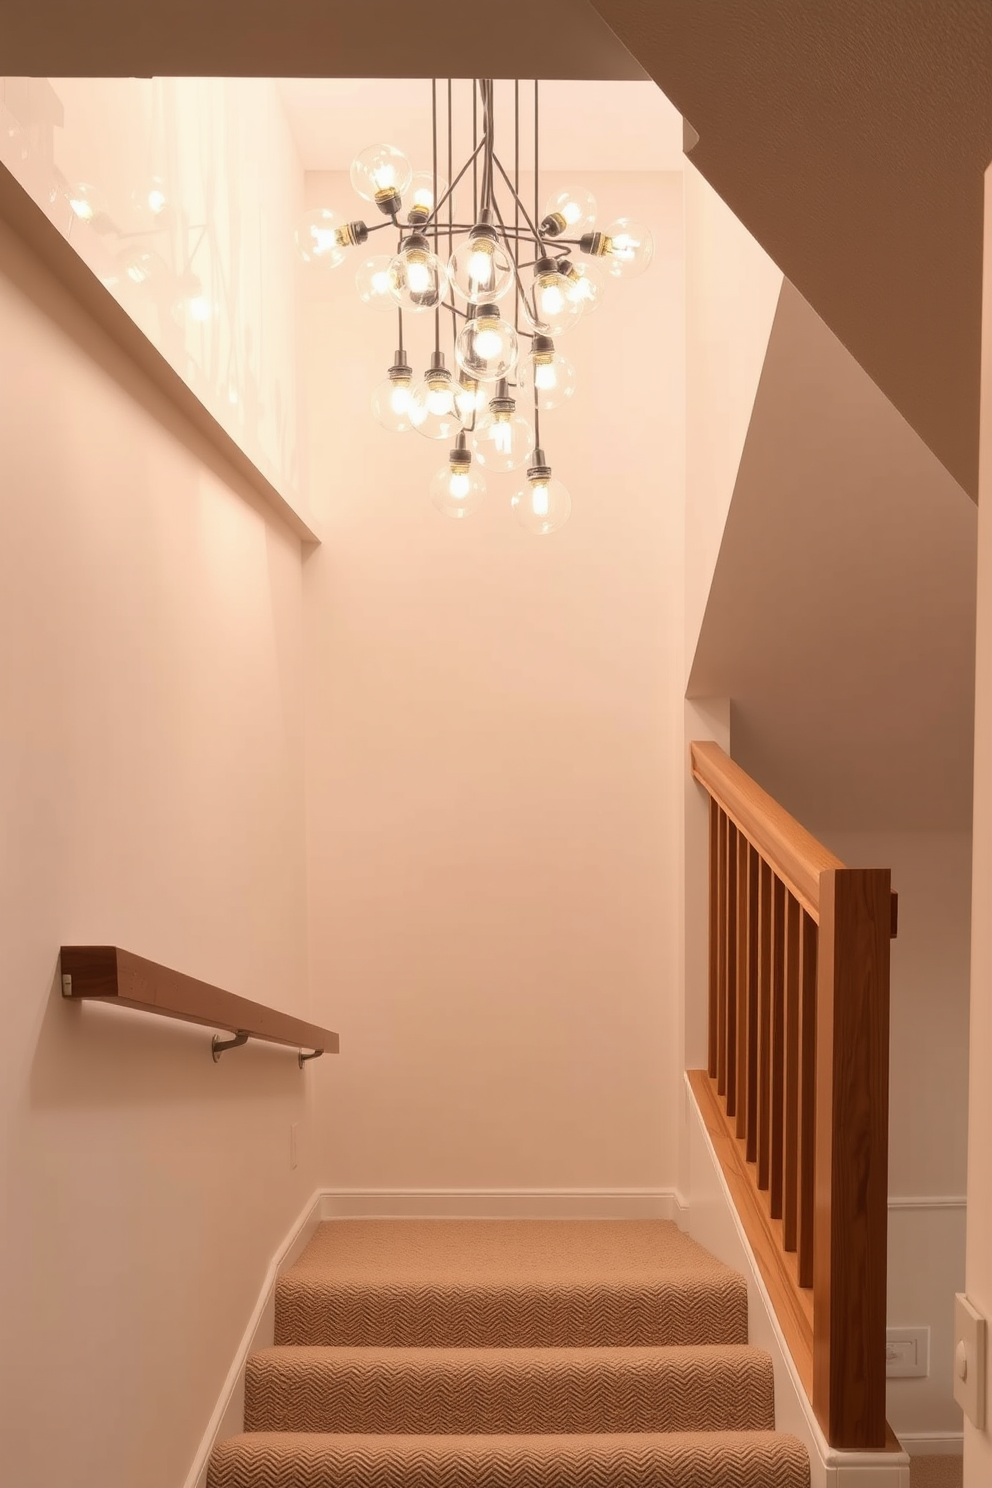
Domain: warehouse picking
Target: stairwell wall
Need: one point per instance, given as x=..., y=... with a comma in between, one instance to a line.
x=494, y=750
x=978, y=1443
x=151, y=785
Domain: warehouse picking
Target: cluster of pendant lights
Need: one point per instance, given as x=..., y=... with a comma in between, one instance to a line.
x=513, y=283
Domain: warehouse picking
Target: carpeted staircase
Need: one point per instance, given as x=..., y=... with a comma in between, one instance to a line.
x=509, y=1354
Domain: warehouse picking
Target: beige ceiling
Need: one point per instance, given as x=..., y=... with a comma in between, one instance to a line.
x=841, y=618
x=585, y=126
x=851, y=137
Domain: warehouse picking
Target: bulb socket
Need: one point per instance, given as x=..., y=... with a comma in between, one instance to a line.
x=416, y=242
x=388, y=201
x=502, y=402
x=487, y=312
x=593, y=243
x=553, y=225
x=437, y=362
x=545, y=266
x=540, y=470
x=418, y=215
x=400, y=371
x=354, y=233
x=460, y=458
x=543, y=346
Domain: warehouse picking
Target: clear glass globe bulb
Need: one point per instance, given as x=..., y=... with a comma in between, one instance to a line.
x=551, y=375
x=85, y=200
x=420, y=198
x=586, y=284
x=470, y=398
x=486, y=347
x=481, y=270
x=433, y=410
x=542, y=505
x=503, y=441
x=374, y=284
x=416, y=278
x=392, y=404
x=627, y=248
x=322, y=238
x=572, y=212
x=380, y=174
x=457, y=490
x=555, y=310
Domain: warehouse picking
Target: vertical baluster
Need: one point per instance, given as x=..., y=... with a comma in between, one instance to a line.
x=714, y=969
x=721, y=991
x=753, y=964
x=777, y=1078
x=764, y=1026
x=807, y=1097
x=790, y=1159
x=729, y=1088
x=743, y=981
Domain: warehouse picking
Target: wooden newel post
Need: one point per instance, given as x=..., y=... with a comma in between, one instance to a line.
x=851, y=1164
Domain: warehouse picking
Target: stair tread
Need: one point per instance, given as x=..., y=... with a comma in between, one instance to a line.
x=757, y=1459
x=532, y=1390
x=510, y=1283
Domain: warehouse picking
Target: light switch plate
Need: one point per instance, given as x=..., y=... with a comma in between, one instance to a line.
x=907, y=1353
x=970, y=1331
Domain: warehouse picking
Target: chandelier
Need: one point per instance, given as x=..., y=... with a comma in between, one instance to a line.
x=502, y=288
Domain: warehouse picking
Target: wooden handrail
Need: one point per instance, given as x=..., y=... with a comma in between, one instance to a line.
x=120, y=979
x=796, y=856
x=795, y=1096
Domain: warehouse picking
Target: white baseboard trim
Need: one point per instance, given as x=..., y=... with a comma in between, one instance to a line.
x=930, y=1201
x=501, y=1203
x=228, y=1416
x=936, y=1444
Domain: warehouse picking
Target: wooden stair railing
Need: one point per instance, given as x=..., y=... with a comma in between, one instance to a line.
x=109, y=975
x=795, y=1096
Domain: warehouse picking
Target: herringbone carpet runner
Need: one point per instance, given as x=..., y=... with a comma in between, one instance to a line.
x=509, y=1354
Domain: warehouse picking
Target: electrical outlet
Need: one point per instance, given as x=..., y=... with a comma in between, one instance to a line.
x=907, y=1353
x=292, y=1145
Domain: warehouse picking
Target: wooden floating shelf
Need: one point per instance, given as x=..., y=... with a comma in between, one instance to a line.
x=119, y=978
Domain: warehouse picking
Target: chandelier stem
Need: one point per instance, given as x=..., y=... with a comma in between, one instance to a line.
x=475, y=149
x=534, y=232
x=451, y=211
x=537, y=209
x=516, y=186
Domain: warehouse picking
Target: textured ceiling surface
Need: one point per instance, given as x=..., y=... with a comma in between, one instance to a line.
x=841, y=619
x=308, y=38
x=851, y=139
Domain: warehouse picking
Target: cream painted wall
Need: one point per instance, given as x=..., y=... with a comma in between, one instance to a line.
x=732, y=290
x=928, y=1101
x=494, y=751
x=151, y=776
x=978, y=1444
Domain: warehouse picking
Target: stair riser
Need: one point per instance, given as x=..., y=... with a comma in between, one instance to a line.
x=483, y=1318
x=542, y=1399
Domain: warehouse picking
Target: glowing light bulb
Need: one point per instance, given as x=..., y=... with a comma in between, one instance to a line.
x=458, y=488
x=322, y=238
x=392, y=401
x=373, y=283
x=381, y=174
x=574, y=211
x=486, y=347
x=470, y=398
x=625, y=247
x=420, y=197
x=416, y=275
x=543, y=504
x=586, y=283
x=481, y=269
x=554, y=309
x=546, y=374
x=433, y=410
